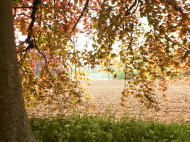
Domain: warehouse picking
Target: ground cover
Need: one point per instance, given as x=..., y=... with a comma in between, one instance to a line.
x=104, y=128
x=108, y=93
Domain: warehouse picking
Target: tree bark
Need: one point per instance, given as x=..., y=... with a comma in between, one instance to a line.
x=14, y=126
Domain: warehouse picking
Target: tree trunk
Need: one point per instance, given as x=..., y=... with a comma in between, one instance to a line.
x=14, y=126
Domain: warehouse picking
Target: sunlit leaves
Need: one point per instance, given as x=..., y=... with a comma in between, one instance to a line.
x=152, y=36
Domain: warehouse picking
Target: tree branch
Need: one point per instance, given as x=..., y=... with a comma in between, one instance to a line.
x=40, y=51
x=23, y=7
x=32, y=16
x=85, y=7
x=131, y=7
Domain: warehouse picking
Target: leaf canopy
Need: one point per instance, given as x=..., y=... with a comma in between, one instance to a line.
x=152, y=39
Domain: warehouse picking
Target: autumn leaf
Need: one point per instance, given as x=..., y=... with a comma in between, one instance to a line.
x=148, y=41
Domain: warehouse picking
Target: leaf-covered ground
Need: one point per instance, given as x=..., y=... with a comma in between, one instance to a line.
x=107, y=94
x=106, y=97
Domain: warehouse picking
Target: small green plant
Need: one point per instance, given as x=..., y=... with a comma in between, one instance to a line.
x=104, y=128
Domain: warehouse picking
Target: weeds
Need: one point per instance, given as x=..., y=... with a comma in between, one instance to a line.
x=104, y=128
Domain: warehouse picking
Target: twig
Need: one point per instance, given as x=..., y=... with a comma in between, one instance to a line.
x=133, y=5
x=23, y=14
x=24, y=7
x=134, y=10
x=40, y=51
x=85, y=7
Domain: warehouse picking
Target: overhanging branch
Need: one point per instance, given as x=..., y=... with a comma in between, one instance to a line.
x=131, y=7
x=85, y=7
x=28, y=40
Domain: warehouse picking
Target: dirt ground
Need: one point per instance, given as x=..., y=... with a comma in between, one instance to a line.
x=107, y=94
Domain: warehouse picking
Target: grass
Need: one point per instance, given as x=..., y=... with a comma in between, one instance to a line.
x=104, y=128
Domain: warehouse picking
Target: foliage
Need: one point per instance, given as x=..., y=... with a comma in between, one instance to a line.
x=101, y=128
x=159, y=48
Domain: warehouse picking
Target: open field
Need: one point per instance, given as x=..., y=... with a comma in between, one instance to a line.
x=107, y=96
x=108, y=93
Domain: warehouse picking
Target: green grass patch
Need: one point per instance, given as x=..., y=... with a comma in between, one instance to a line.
x=103, y=128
